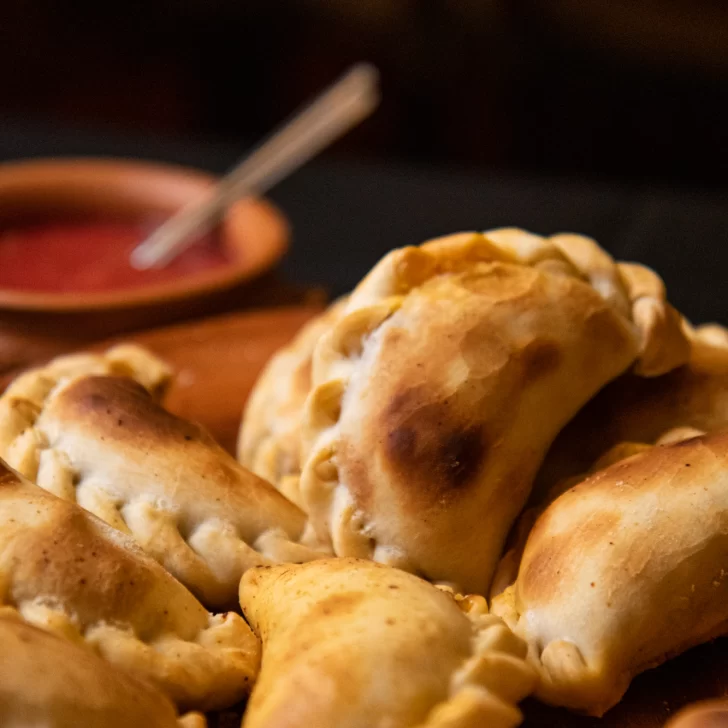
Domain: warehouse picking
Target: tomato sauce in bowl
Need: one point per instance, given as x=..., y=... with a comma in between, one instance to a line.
x=92, y=256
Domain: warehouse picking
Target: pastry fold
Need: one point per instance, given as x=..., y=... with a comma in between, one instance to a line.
x=624, y=571
x=635, y=409
x=67, y=572
x=269, y=441
x=47, y=682
x=451, y=370
x=101, y=441
x=354, y=644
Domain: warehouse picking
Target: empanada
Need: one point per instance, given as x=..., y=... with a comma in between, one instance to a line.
x=623, y=571
x=69, y=573
x=269, y=442
x=635, y=409
x=452, y=369
x=507, y=569
x=47, y=682
x=102, y=441
x=354, y=644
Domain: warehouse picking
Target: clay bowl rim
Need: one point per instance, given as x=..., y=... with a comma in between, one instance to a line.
x=121, y=184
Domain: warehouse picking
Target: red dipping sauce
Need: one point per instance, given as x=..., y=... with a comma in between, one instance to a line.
x=93, y=256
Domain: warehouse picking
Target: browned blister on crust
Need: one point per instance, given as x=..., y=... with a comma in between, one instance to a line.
x=269, y=441
x=623, y=571
x=48, y=681
x=350, y=643
x=103, y=442
x=65, y=571
x=451, y=370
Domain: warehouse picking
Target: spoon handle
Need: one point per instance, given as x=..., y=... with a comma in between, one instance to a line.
x=343, y=105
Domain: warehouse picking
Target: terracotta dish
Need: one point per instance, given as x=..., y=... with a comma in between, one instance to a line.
x=254, y=235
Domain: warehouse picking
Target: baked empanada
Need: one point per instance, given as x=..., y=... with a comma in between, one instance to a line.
x=507, y=569
x=452, y=369
x=703, y=714
x=354, y=644
x=269, y=442
x=69, y=573
x=623, y=571
x=102, y=441
x=635, y=409
x=47, y=682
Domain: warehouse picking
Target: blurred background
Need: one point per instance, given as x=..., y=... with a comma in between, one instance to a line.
x=599, y=89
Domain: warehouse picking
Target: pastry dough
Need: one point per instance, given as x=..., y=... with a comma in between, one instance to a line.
x=703, y=714
x=102, y=441
x=69, y=573
x=47, y=682
x=623, y=571
x=353, y=644
x=269, y=442
x=507, y=569
x=454, y=366
x=634, y=409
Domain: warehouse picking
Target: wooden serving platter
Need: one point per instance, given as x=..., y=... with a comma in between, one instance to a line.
x=217, y=362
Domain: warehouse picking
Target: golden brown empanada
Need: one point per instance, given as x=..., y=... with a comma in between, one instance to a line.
x=452, y=369
x=102, y=441
x=354, y=644
x=69, y=573
x=703, y=714
x=47, y=682
x=269, y=442
x=507, y=569
x=623, y=571
x=635, y=409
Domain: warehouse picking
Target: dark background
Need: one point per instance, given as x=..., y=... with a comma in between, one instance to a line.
x=626, y=89
x=605, y=117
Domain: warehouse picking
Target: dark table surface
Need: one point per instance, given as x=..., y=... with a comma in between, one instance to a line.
x=346, y=215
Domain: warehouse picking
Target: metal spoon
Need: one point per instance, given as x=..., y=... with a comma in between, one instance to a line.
x=346, y=103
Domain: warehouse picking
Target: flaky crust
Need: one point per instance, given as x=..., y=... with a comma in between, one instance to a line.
x=269, y=442
x=69, y=573
x=350, y=643
x=634, y=409
x=47, y=682
x=623, y=571
x=102, y=441
x=454, y=366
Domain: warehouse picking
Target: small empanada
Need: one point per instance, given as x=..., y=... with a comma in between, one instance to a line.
x=354, y=644
x=47, y=682
x=623, y=571
x=103, y=442
x=69, y=573
x=269, y=442
x=635, y=409
x=451, y=370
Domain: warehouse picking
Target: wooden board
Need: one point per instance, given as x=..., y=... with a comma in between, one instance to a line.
x=217, y=362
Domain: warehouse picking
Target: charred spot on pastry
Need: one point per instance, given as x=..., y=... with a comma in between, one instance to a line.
x=539, y=358
x=123, y=409
x=461, y=454
x=434, y=450
x=402, y=444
